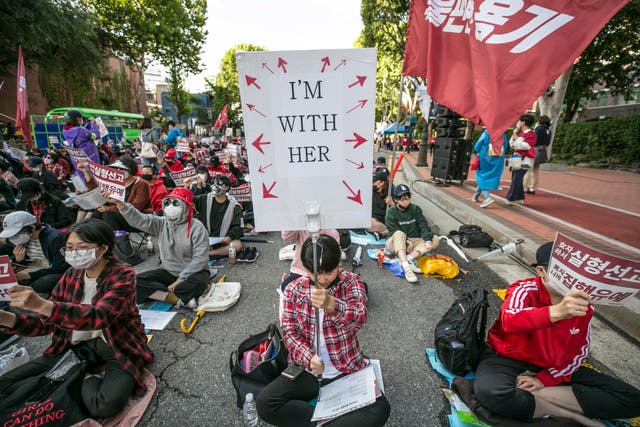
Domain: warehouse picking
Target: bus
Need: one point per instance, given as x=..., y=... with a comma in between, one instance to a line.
x=47, y=130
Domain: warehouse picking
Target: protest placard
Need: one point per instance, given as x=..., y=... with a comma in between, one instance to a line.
x=109, y=179
x=202, y=154
x=77, y=154
x=53, y=141
x=7, y=277
x=241, y=193
x=90, y=200
x=308, y=118
x=101, y=127
x=180, y=176
x=608, y=279
x=182, y=145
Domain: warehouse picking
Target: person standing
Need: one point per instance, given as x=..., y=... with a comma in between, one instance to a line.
x=149, y=144
x=490, y=169
x=82, y=137
x=172, y=136
x=523, y=142
x=543, y=139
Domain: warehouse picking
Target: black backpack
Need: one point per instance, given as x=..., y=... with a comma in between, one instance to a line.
x=472, y=236
x=459, y=335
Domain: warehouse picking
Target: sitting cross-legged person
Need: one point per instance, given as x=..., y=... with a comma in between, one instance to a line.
x=532, y=366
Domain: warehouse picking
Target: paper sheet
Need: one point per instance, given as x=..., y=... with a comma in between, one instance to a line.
x=156, y=320
x=91, y=200
x=346, y=394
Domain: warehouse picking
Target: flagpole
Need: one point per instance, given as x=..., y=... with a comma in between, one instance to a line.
x=395, y=135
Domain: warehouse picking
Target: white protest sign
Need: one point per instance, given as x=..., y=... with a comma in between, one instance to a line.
x=608, y=279
x=7, y=277
x=53, y=141
x=308, y=117
x=101, y=127
x=109, y=179
x=241, y=193
x=77, y=154
x=180, y=176
x=182, y=145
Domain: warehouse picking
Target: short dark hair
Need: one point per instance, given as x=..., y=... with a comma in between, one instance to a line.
x=327, y=250
x=543, y=254
x=27, y=187
x=544, y=120
x=528, y=119
x=146, y=123
x=221, y=179
x=171, y=123
x=131, y=164
x=93, y=230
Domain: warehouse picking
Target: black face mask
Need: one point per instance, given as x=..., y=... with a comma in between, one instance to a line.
x=146, y=176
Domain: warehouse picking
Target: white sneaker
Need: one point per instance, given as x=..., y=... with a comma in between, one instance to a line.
x=9, y=350
x=415, y=268
x=409, y=274
x=287, y=253
x=474, y=199
x=192, y=304
x=11, y=361
x=343, y=257
x=487, y=203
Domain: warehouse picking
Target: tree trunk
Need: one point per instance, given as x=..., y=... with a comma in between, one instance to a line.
x=550, y=102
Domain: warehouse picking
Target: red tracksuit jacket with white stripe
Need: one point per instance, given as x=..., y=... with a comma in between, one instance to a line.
x=524, y=332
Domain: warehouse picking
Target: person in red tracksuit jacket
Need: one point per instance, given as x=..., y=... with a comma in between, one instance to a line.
x=532, y=366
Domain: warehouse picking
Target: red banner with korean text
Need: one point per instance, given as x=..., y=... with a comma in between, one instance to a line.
x=22, y=102
x=490, y=60
x=609, y=280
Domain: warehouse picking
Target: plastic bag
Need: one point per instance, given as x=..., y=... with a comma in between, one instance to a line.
x=438, y=266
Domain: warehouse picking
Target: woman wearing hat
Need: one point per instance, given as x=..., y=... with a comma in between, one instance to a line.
x=82, y=137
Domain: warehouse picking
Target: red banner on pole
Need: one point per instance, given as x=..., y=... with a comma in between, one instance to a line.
x=222, y=119
x=490, y=60
x=22, y=104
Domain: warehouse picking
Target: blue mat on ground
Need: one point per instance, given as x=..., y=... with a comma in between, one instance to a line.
x=366, y=239
x=437, y=365
x=160, y=306
x=391, y=264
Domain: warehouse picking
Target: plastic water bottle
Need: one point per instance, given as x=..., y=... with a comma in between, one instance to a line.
x=150, y=249
x=232, y=254
x=249, y=412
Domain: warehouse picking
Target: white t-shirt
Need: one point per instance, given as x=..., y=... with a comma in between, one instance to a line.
x=330, y=370
x=90, y=291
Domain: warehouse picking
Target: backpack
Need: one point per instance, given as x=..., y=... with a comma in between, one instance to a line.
x=472, y=236
x=459, y=336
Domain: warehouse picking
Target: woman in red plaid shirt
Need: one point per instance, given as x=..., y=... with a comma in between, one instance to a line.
x=91, y=311
x=341, y=301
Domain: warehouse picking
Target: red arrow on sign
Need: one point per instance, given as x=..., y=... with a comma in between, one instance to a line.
x=359, y=165
x=253, y=108
x=360, y=81
x=266, y=192
x=258, y=142
x=343, y=62
x=282, y=63
x=252, y=81
x=357, y=139
x=360, y=104
x=356, y=196
x=325, y=63
x=265, y=65
x=261, y=169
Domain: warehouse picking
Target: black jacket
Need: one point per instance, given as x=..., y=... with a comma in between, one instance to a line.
x=51, y=241
x=55, y=214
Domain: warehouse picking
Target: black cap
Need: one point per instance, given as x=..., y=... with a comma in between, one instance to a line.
x=73, y=114
x=380, y=175
x=543, y=254
x=401, y=190
x=381, y=160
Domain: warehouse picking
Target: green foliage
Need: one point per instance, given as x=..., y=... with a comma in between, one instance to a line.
x=225, y=89
x=612, y=60
x=178, y=96
x=613, y=141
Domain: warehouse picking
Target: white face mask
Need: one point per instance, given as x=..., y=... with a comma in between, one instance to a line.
x=20, y=239
x=173, y=212
x=81, y=260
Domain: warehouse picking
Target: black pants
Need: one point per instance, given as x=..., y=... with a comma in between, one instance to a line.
x=158, y=280
x=599, y=395
x=516, y=190
x=103, y=397
x=44, y=284
x=286, y=403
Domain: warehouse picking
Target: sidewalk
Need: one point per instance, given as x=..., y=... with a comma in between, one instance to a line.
x=598, y=207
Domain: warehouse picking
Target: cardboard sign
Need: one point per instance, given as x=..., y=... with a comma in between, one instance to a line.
x=101, y=127
x=608, y=279
x=7, y=277
x=109, y=179
x=308, y=118
x=180, y=176
x=241, y=193
x=77, y=154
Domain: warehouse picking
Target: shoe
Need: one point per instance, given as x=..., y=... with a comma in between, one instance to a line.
x=11, y=361
x=243, y=254
x=415, y=268
x=474, y=199
x=519, y=202
x=533, y=192
x=10, y=350
x=288, y=253
x=487, y=203
x=343, y=256
x=409, y=274
x=252, y=254
x=509, y=203
x=192, y=304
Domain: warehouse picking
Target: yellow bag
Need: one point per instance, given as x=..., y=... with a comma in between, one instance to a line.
x=438, y=266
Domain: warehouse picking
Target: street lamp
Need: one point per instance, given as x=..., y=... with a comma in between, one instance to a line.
x=424, y=144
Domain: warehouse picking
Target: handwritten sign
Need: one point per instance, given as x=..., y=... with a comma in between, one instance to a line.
x=241, y=193
x=180, y=176
x=608, y=279
x=7, y=277
x=109, y=179
x=308, y=118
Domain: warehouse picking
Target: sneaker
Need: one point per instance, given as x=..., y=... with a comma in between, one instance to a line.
x=11, y=361
x=409, y=274
x=487, y=203
x=192, y=304
x=287, y=253
x=10, y=350
x=509, y=203
x=415, y=268
x=532, y=192
x=243, y=254
x=474, y=199
x=252, y=254
x=519, y=202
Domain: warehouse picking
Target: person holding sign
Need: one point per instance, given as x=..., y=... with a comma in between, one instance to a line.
x=532, y=366
x=342, y=302
x=82, y=137
x=183, y=244
x=92, y=311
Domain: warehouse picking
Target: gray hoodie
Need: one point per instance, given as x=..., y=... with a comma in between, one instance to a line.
x=180, y=255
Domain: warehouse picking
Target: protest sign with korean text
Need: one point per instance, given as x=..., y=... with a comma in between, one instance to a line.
x=7, y=277
x=241, y=193
x=76, y=154
x=608, y=279
x=309, y=117
x=109, y=179
x=180, y=176
x=183, y=145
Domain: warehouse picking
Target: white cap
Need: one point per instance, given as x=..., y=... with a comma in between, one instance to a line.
x=16, y=221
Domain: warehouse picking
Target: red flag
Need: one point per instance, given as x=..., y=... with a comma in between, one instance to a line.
x=222, y=119
x=489, y=60
x=22, y=105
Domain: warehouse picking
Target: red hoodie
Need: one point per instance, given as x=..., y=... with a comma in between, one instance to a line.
x=523, y=331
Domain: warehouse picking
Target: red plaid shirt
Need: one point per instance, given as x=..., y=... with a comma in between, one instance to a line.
x=113, y=310
x=37, y=208
x=339, y=327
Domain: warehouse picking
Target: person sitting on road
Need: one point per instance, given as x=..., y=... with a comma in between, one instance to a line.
x=58, y=166
x=341, y=302
x=379, y=204
x=183, y=245
x=202, y=184
x=7, y=196
x=48, y=209
x=93, y=312
x=532, y=366
x=46, y=178
x=37, y=246
x=409, y=234
x=170, y=164
x=221, y=214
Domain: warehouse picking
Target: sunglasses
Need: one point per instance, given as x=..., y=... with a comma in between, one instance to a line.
x=174, y=202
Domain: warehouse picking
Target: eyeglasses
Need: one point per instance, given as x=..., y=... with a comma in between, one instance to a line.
x=167, y=202
x=80, y=252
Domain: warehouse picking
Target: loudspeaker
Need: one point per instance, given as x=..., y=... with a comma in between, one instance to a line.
x=451, y=158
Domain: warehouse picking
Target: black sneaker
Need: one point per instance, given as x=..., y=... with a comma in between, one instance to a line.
x=252, y=254
x=243, y=254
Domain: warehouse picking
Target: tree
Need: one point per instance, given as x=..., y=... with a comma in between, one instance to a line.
x=225, y=89
x=178, y=96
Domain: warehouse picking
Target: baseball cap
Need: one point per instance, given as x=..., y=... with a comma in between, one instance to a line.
x=35, y=161
x=119, y=165
x=543, y=254
x=16, y=221
x=400, y=190
x=380, y=175
x=381, y=160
